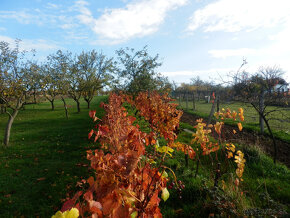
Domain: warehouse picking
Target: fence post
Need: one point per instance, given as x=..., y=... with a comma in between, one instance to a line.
x=261, y=108
x=218, y=103
x=186, y=100
x=193, y=101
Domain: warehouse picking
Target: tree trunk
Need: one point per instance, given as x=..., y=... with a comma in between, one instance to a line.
x=34, y=96
x=89, y=102
x=8, y=127
x=52, y=104
x=261, y=109
x=78, y=106
x=65, y=107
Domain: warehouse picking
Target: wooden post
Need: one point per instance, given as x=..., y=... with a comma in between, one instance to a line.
x=193, y=101
x=186, y=100
x=218, y=103
x=179, y=98
x=261, y=108
x=211, y=112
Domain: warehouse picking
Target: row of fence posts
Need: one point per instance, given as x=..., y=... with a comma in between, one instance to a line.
x=190, y=97
x=179, y=96
x=215, y=103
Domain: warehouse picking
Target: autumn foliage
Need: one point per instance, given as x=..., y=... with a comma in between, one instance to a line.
x=127, y=180
x=130, y=180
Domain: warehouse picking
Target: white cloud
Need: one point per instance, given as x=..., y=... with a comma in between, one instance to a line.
x=31, y=16
x=21, y=16
x=270, y=18
x=52, y=6
x=28, y=44
x=237, y=15
x=136, y=19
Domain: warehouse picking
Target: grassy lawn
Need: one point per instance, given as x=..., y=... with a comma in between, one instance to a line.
x=281, y=129
x=45, y=159
x=48, y=156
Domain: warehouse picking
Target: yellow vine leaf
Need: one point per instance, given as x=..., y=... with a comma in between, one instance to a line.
x=218, y=127
x=165, y=149
x=134, y=214
x=165, y=194
x=73, y=213
x=240, y=126
x=164, y=174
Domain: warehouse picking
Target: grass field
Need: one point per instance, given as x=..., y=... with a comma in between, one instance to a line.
x=47, y=156
x=281, y=128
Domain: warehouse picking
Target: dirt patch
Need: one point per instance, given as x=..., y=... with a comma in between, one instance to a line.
x=248, y=138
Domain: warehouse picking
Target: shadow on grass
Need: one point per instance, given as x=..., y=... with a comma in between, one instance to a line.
x=46, y=158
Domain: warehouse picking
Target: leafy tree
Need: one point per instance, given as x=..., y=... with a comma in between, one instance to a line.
x=137, y=70
x=14, y=92
x=76, y=83
x=95, y=72
x=48, y=83
x=60, y=63
x=163, y=85
x=199, y=85
x=32, y=79
x=2, y=88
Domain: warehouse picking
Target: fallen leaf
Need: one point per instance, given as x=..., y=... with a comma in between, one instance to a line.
x=41, y=179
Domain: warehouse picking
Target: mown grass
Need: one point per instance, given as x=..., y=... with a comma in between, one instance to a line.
x=280, y=129
x=46, y=157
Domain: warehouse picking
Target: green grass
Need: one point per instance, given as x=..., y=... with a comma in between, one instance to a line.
x=45, y=158
x=280, y=129
x=265, y=186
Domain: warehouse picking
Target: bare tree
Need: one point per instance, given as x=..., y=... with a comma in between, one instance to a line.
x=258, y=90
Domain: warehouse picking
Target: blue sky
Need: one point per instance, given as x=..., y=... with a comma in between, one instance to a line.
x=206, y=38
